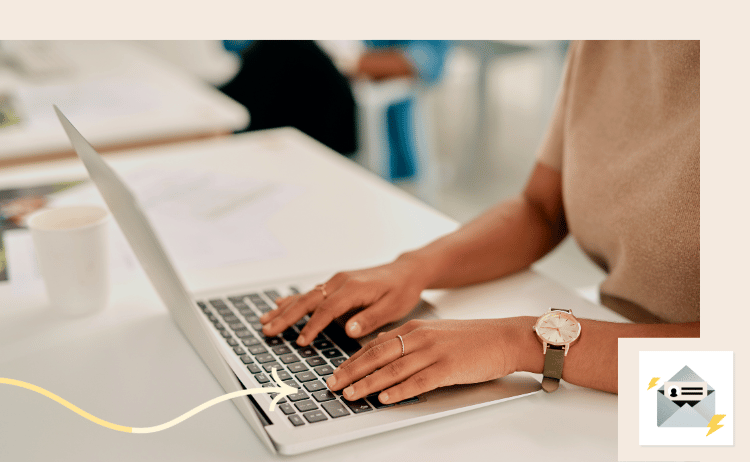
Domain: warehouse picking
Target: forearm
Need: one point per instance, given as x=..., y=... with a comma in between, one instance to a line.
x=592, y=361
x=508, y=237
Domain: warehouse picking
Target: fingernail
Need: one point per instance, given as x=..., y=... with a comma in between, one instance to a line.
x=331, y=381
x=301, y=340
x=383, y=397
x=264, y=317
x=349, y=391
x=354, y=328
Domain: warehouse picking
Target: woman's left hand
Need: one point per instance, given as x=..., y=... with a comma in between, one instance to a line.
x=436, y=354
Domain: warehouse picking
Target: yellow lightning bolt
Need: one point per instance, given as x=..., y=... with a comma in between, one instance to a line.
x=652, y=384
x=714, y=423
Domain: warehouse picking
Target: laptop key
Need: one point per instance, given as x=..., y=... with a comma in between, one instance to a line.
x=239, y=350
x=257, y=350
x=293, y=290
x=217, y=303
x=265, y=358
x=250, y=341
x=307, y=352
x=324, y=370
x=323, y=395
x=337, y=361
x=322, y=344
x=315, y=416
x=274, y=341
x=232, y=342
x=236, y=326
x=288, y=359
x=262, y=378
x=305, y=376
x=291, y=383
x=373, y=399
x=257, y=326
x=253, y=368
x=315, y=385
x=243, y=333
x=283, y=375
x=263, y=307
x=250, y=317
x=306, y=405
x=296, y=367
x=287, y=408
x=332, y=353
x=358, y=406
x=246, y=359
x=299, y=396
x=335, y=409
x=272, y=295
x=272, y=365
x=296, y=420
x=290, y=334
x=281, y=350
x=316, y=361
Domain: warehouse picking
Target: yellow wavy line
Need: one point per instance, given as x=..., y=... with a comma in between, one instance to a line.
x=282, y=391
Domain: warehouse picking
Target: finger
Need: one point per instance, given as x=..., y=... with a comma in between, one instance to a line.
x=335, y=305
x=290, y=302
x=423, y=381
x=293, y=313
x=375, y=316
x=389, y=375
x=384, y=337
x=371, y=360
x=281, y=305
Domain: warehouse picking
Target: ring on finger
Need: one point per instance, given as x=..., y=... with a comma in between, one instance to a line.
x=403, y=349
x=322, y=289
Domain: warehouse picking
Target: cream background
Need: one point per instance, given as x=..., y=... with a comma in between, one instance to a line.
x=720, y=25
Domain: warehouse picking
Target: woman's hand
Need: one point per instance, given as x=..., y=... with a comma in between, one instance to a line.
x=387, y=292
x=436, y=354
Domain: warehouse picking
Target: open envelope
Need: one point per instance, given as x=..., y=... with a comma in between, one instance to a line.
x=676, y=413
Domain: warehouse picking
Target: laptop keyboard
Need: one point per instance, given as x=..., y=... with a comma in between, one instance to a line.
x=236, y=318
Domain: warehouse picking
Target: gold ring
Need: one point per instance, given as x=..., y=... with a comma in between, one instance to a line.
x=402, y=345
x=322, y=289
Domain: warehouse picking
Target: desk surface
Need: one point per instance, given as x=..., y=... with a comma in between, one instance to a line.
x=119, y=93
x=130, y=364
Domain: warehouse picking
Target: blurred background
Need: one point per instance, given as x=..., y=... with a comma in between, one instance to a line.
x=456, y=124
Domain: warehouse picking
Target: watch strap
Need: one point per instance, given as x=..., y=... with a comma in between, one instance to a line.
x=553, y=366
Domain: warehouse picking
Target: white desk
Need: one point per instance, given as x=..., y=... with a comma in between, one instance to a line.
x=131, y=365
x=119, y=93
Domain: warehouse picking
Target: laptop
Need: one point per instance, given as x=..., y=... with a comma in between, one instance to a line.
x=222, y=326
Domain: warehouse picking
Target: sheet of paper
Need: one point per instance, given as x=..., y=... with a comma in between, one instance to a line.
x=204, y=219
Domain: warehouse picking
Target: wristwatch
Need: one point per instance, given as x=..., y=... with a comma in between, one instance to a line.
x=557, y=329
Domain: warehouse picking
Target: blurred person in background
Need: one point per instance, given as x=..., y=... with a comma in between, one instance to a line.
x=306, y=85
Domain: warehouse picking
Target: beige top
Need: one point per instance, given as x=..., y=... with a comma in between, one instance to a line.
x=626, y=138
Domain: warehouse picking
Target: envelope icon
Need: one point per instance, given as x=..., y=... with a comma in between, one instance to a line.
x=677, y=408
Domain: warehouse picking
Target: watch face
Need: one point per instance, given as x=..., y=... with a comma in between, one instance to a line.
x=558, y=327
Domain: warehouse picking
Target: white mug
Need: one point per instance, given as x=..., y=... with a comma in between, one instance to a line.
x=72, y=251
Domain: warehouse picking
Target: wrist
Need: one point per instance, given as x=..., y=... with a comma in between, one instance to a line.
x=529, y=357
x=423, y=268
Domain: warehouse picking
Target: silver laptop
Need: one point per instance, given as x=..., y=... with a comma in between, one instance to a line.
x=223, y=327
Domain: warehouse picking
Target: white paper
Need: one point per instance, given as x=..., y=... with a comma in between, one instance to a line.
x=203, y=219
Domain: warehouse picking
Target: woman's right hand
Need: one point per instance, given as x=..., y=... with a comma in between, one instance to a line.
x=386, y=292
